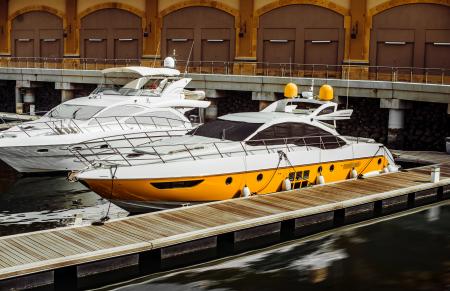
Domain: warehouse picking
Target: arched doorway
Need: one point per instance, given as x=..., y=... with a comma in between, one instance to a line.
x=411, y=35
x=37, y=34
x=209, y=31
x=301, y=33
x=111, y=34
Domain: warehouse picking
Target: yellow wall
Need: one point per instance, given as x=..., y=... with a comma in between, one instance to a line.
x=16, y=5
x=373, y=3
x=85, y=4
x=261, y=3
x=164, y=4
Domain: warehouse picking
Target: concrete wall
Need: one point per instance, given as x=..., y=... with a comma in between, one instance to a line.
x=421, y=109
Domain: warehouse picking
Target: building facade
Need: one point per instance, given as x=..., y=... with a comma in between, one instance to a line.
x=401, y=33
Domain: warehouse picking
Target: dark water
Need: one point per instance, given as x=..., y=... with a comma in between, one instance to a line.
x=29, y=203
x=406, y=253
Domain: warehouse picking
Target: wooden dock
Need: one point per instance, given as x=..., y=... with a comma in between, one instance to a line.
x=421, y=157
x=147, y=240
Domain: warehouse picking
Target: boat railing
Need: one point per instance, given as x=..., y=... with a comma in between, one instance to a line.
x=123, y=150
x=92, y=151
x=96, y=124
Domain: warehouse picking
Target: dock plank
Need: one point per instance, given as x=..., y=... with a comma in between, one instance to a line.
x=45, y=250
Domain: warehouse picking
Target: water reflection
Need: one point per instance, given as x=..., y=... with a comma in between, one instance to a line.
x=407, y=253
x=29, y=203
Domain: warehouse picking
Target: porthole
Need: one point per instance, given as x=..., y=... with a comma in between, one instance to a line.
x=331, y=168
x=42, y=150
x=259, y=177
x=229, y=180
x=319, y=169
x=379, y=161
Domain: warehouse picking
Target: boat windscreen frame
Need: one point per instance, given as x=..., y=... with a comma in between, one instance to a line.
x=226, y=130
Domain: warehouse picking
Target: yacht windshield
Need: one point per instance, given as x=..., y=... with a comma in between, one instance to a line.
x=145, y=86
x=225, y=129
x=79, y=112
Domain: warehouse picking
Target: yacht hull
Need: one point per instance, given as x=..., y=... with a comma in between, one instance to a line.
x=52, y=154
x=30, y=160
x=137, y=195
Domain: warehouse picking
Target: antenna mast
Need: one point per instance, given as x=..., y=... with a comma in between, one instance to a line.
x=187, y=63
x=156, y=54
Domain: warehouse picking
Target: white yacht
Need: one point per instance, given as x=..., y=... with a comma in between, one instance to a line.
x=155, y=103
x=291, y=144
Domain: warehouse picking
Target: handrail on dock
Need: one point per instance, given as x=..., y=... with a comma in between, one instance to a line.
x=339, y=71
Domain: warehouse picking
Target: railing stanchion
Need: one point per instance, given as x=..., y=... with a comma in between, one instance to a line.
x=215, y=145
x=185, y=146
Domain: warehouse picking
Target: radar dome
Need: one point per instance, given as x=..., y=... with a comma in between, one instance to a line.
x=169, y=62
x=290, y=90
x=326, y=93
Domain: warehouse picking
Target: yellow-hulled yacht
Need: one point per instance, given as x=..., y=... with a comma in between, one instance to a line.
x=290, y=144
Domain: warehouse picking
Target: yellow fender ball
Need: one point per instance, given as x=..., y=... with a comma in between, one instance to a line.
x=290, y=90
x=326, y=93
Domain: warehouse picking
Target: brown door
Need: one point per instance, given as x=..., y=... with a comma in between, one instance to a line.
x=217, y=50
x=286, y=33
x=126, y=48
x=37, y=34
x=437, y=55
x=278, y=56
x=279, y=51
x=393, y=54
x=50, y=47
x=24, y=47
x=321, y=53
x=95, y=48
x=111, y=34
x=210, y=30
x=180, y=49
x=406, y=36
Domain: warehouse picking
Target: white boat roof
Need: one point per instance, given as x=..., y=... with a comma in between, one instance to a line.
x=143, y=71
x=256, y=117
x=104, y=101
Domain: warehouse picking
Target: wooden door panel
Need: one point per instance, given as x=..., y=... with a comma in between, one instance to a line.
x=126, y=48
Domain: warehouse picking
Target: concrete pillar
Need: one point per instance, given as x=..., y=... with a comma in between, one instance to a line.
x=67, y=92
x=19, y=101
x=264, y=96
x=396, y=122
x=212, y=110
x=66, y=95
x=395, y=125
x=28, y=101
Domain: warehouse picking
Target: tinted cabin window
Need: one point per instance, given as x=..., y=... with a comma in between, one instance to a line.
x=308, y=135
x=225, y=129
x=327, y=110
